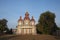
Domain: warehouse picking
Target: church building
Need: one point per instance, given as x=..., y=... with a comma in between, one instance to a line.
x=26, y=25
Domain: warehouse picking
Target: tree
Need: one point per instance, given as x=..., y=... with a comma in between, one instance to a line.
x=46, y=23
x=10, y=31
x=3, y=25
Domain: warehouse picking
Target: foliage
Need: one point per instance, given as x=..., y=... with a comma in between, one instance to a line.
x=46, y=23
x=3, y=25
x=10, y=31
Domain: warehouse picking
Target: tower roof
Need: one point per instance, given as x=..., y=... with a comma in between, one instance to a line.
x=20, y=18
x=32, y=19
x=26, y=16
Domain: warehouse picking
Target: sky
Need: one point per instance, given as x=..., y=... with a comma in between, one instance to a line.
x=13, y=9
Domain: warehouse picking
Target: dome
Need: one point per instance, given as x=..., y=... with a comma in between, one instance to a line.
x=32, y=19
x=20, y=18
x=26, y=16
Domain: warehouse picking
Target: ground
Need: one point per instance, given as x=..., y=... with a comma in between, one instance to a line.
x=28, y=37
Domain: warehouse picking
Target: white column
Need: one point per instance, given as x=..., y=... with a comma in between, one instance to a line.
x=19, y=31
x=28, y=31
x=24, y=31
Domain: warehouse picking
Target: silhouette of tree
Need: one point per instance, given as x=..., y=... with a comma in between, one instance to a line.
x=46, y=23
x=11, y=32
x=3, y=26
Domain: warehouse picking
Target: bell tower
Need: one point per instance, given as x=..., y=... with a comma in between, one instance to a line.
x=32, y=21
x=20, y=21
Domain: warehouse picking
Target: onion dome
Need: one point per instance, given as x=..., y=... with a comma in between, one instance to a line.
x=33, y=19
x=26, y=16
x=20, y=18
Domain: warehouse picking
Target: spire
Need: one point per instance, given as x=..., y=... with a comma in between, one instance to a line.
x=20, y=17
x=32, y=17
